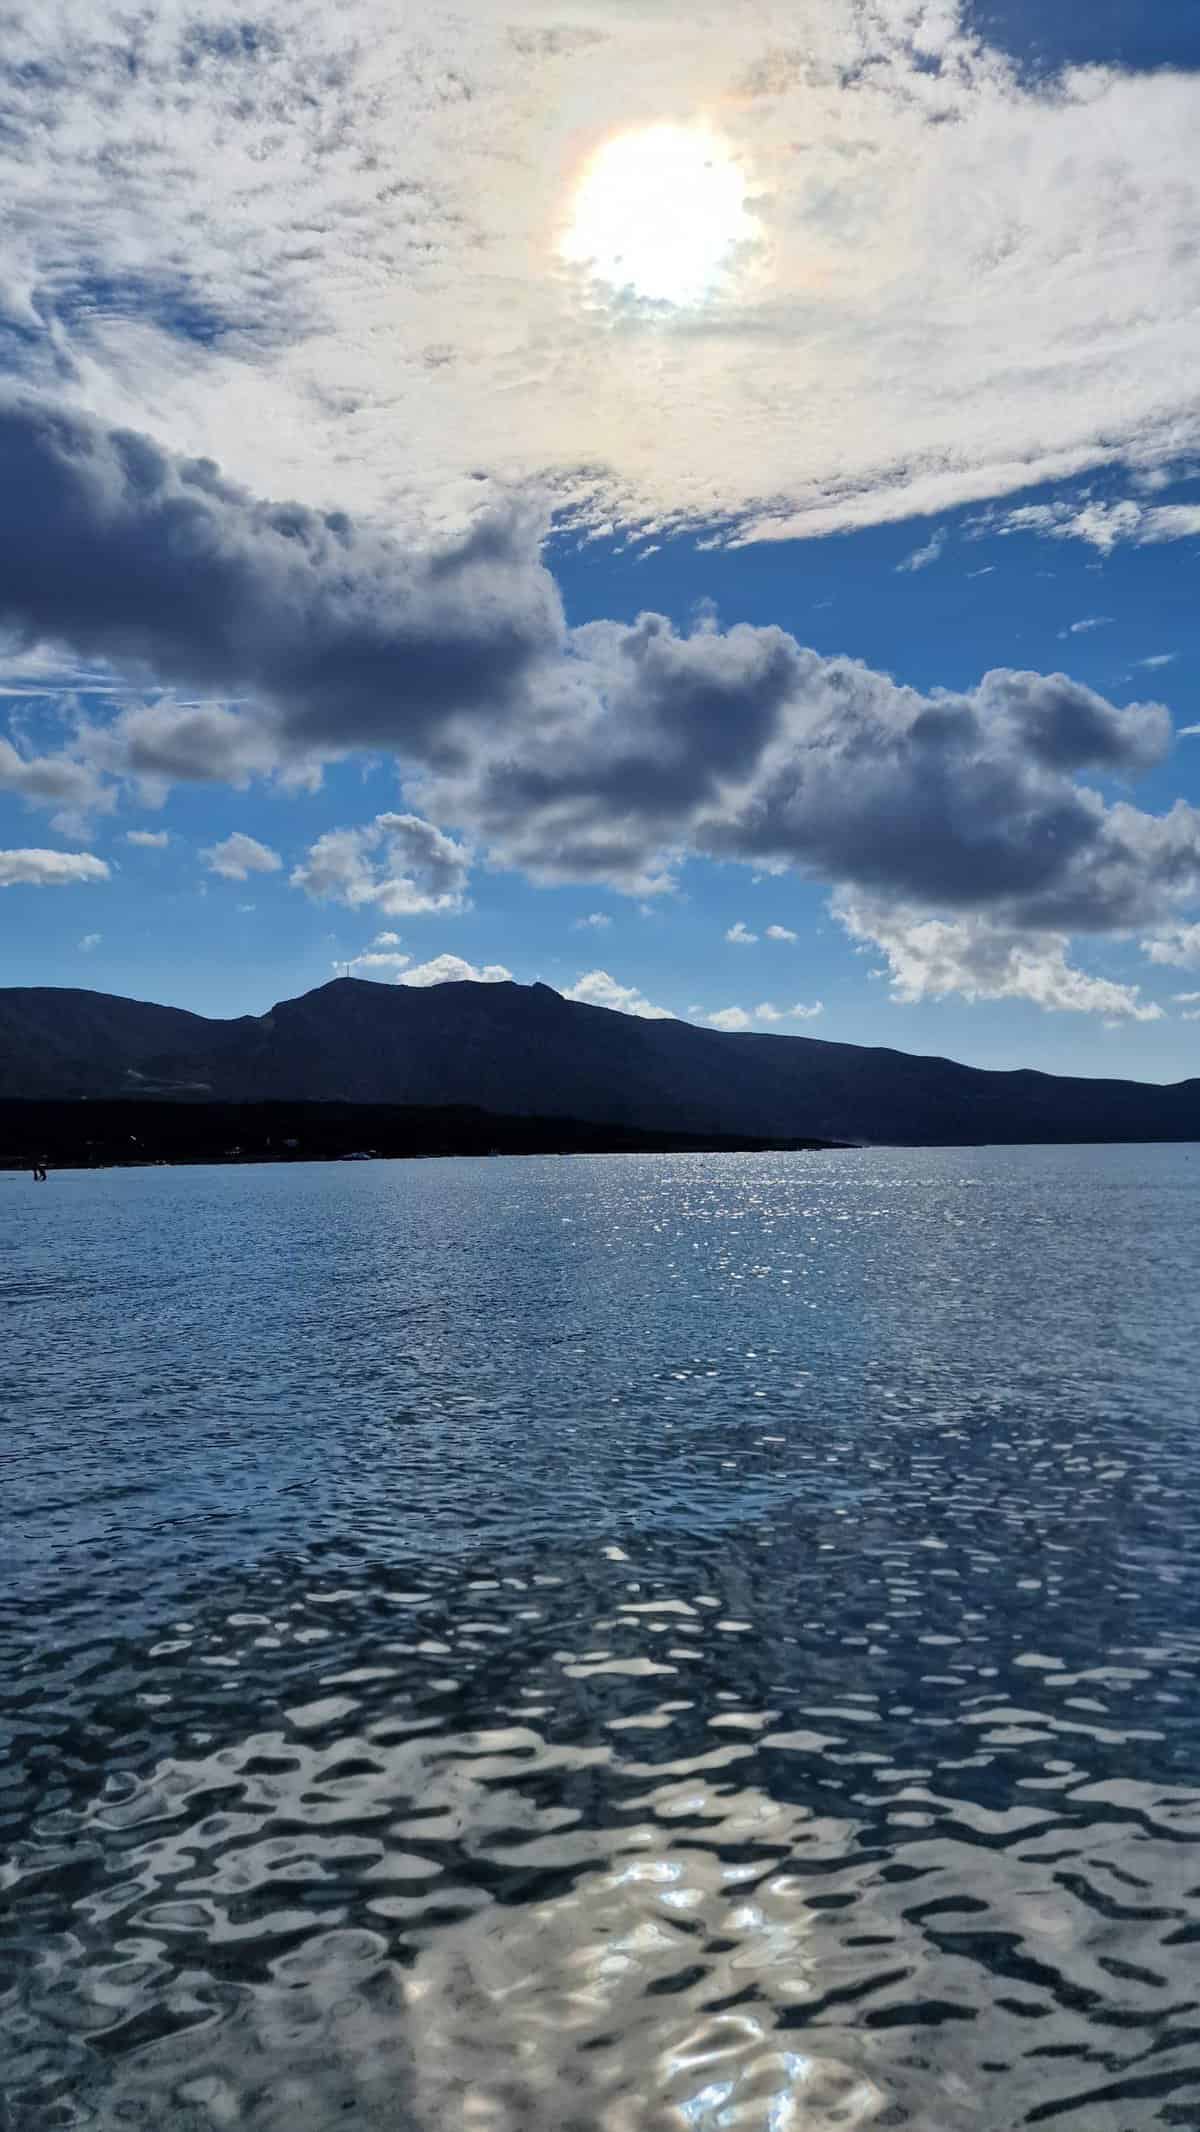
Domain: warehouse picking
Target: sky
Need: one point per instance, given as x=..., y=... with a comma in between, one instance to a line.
x=700, y=511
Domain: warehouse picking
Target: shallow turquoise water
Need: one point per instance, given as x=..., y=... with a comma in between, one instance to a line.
x=684, y=1642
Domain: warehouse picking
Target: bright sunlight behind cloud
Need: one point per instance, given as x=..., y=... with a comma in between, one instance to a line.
x=478, y=204
x=659, y=213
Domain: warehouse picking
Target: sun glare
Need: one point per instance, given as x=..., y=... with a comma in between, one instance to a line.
x=659, y=213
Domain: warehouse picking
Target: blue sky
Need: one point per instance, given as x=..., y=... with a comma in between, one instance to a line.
x=342, y=466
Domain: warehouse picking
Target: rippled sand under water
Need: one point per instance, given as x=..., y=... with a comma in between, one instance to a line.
x=835, y=1763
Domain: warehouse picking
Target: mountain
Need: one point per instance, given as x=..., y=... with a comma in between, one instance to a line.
x=525, y=1051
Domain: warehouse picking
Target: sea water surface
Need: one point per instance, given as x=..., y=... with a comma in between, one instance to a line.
x=622, y=1644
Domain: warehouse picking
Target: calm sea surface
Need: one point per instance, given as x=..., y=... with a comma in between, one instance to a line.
x=614, y=1645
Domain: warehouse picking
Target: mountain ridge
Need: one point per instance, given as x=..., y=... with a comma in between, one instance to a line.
x=526, y=1050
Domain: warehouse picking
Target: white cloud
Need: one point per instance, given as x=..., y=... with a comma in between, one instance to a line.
x=1187, y=732
x=767, y=1011
x=932, y=958
x=452, y=970
x=921, y=558
x=376, y=959
x=603, y=753
x=1186, y=999
x=740, y=935
x=50, y=869
x=1159, y=658
x=53, y=781
x=1177, y=947
x=88, y=942
x=894, y=296
x=239, y=856
x=398, y=863
x=780, y=932
x=596, y=920
x=1103, y=526
x=149, y=839
x=40, y=670
x=383, y=953
x=730, y=1019
x=597, y=989
x=1086, y=625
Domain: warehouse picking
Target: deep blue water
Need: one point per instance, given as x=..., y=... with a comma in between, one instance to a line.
x=622, y=1644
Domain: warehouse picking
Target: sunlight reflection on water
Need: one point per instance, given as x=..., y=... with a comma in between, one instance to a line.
x=520, y=1683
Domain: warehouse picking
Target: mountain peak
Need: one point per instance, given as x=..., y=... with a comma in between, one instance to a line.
x=526, y=1050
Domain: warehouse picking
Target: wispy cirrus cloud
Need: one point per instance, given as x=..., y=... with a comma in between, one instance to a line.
x=890, y=295
x=1101, y=525
x=922, y=558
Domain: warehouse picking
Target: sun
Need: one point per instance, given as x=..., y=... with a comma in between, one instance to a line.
x=659, y=213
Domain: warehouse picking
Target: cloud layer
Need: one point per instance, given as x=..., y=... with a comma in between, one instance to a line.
x=330, y=252
x=606, y=753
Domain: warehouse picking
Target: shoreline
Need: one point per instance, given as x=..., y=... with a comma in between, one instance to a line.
x=140, y=1133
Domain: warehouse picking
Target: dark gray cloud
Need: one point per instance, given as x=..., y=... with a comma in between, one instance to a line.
x=342, y=638
x=1065, y=726
x=49, y=780
x=599, y=753
x=966, y=801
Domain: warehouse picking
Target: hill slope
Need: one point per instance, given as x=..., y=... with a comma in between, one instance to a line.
x=527, y=1051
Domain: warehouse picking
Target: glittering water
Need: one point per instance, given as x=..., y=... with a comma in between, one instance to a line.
x=652, y=1645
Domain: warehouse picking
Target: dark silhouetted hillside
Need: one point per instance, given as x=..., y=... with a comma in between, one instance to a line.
x=525, y=1051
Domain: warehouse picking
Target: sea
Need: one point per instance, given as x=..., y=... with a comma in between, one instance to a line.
x=602, y=1644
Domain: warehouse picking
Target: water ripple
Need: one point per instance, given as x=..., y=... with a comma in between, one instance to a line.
x=621, y=1712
